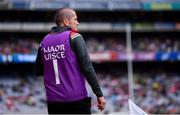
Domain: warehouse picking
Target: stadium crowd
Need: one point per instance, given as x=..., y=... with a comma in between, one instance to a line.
x=20, y=94
x=156, y=92
x=22, y=46
x=30, y=46
x=138, y=45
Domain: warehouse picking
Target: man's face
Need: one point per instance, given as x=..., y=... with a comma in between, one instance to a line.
x=73, y=22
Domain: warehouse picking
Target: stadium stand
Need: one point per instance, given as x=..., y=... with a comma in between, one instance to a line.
x=155, y=46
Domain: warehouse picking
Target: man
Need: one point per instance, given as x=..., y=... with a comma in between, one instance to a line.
x=63, y=60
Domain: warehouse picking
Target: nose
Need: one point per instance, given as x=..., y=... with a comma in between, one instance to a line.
x=77, y=23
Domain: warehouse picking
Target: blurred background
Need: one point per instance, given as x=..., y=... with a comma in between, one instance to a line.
x=134, y=46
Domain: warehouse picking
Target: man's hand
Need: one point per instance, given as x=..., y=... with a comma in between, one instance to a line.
x=101, y=103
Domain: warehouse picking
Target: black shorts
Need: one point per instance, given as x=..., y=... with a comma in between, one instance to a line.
x=77, y=107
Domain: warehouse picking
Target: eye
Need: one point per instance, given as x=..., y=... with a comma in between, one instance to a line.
x=75, y=18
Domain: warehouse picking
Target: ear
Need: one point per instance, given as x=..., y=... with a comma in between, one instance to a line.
x=65, y=22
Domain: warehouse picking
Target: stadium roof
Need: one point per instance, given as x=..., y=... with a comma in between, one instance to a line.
x=92, y=4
